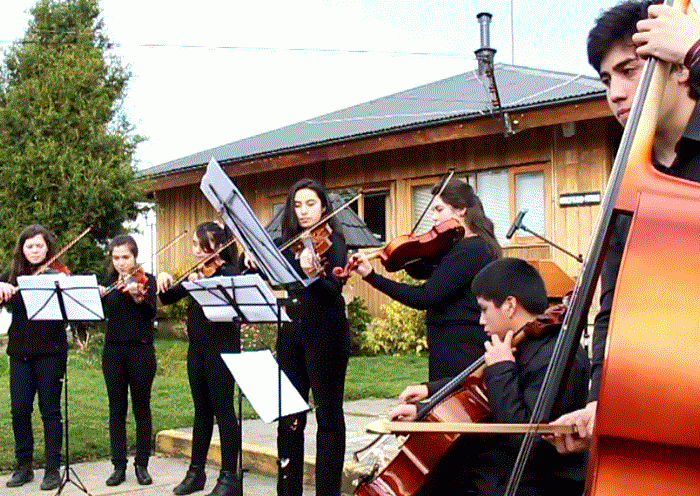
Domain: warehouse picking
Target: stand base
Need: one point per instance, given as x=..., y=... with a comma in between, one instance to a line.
x=65, y=479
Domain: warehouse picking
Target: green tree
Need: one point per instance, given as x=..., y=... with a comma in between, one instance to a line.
x=66, y=147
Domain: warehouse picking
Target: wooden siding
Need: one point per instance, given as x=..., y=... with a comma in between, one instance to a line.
x=579, y=163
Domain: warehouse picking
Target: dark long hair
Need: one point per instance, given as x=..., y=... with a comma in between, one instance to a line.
x=211, y=235
x=20, y=264
x=458, y=194
x=290, y=223
x=122, y=239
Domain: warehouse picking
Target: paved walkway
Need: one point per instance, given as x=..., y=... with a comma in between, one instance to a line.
x=259, y=443
x=259, y=458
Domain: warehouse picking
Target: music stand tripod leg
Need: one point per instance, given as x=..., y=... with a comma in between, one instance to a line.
x=65, y=478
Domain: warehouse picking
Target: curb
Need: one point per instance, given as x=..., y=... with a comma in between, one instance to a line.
x=259, y=459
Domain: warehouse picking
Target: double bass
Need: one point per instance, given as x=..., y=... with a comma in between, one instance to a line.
x=647, y=430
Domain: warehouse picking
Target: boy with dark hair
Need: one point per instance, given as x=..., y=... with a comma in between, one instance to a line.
x=619, y=42
x=511, y=294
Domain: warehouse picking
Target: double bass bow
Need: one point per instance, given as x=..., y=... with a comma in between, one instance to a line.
x=462, y=399
x=646, y=439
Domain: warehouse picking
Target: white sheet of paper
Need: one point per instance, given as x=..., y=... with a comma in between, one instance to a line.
x=81, y=297
x=253, y=296
x=256, y=374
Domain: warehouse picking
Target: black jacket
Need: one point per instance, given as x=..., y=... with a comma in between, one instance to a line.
x=452, y=314
x=512, y=390
x=27, y=339
x=202, y=332
x=126, y=319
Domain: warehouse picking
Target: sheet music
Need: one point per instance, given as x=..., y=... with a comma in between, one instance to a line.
x=226, y=199
x=256, y=374
x=81, y=297
x=252, y=295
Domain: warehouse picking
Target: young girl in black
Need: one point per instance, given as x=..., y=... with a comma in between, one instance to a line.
x=313, y=349
x=211, y=383
x=455, y=337
x=128, y=358
x=38, y=351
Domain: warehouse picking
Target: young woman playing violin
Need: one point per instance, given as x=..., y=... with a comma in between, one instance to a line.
x=455, y=337
x=313, y=348
x=211, y=383
x=38, y=351
x=128, y=358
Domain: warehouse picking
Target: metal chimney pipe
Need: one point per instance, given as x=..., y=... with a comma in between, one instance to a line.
x=484, y=19
x=484, y=55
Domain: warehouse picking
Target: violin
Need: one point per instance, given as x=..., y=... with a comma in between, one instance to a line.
x=463, y=399
x=409, y=248
x=320, y=240
x=56, y=267
x=210, y=267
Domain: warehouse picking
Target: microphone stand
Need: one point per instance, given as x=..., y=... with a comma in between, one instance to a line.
x=518, y=224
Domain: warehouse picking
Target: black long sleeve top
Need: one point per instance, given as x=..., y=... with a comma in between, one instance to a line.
x=202, y=332
x=452, y=314
x=321, y=304
x=512, y=389
x=686, y=166
x=32, y=338
x=128, y=321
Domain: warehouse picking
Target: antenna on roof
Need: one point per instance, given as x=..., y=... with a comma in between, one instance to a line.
x=484, y=56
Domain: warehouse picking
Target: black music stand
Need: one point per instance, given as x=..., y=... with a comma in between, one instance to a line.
x=68, y=299
x=226, y=199
x=243, y=299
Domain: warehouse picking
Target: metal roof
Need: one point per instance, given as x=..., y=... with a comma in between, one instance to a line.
x=459, y=97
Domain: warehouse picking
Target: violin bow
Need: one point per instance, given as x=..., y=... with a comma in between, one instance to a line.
x=451, y=173
x=307, y=231
x=117, y=283
x=48, y=263
x=209, y=258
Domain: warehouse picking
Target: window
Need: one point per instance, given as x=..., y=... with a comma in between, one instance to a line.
x=530, y=194
x=503, y=192
x=374, y=206
x=421, y=196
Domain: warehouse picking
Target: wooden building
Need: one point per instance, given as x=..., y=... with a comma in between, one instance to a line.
x=555, y=163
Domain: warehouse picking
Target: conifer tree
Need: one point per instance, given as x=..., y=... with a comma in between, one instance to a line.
x=66, y=147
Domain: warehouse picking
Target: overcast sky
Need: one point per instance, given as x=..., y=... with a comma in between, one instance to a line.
x=233, y=69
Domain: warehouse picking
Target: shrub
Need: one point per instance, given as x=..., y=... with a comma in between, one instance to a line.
x=402, y=331
x=359, y=318
x=258, y=337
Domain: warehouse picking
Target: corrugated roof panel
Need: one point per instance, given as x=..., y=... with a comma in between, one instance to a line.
x=460, y=96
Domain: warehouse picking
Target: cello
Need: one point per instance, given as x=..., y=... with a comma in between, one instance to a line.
x=462, y=399
x=647, y=432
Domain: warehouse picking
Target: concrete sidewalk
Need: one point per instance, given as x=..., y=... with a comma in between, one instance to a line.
x=259, y=443
x=166, y=473
x=169, y=465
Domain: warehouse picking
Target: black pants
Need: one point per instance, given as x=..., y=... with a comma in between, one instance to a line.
x=129, y=366
x=42, y=375
x=315, y=359
x=211, y=384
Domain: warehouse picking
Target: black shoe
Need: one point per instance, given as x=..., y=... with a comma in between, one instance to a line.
x=227, y=485
x=21, y=475
x=194, y=481
x=51, y=480
x=117, y=477
x=142, y=475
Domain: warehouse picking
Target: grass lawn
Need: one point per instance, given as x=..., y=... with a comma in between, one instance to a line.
x=171, y=403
